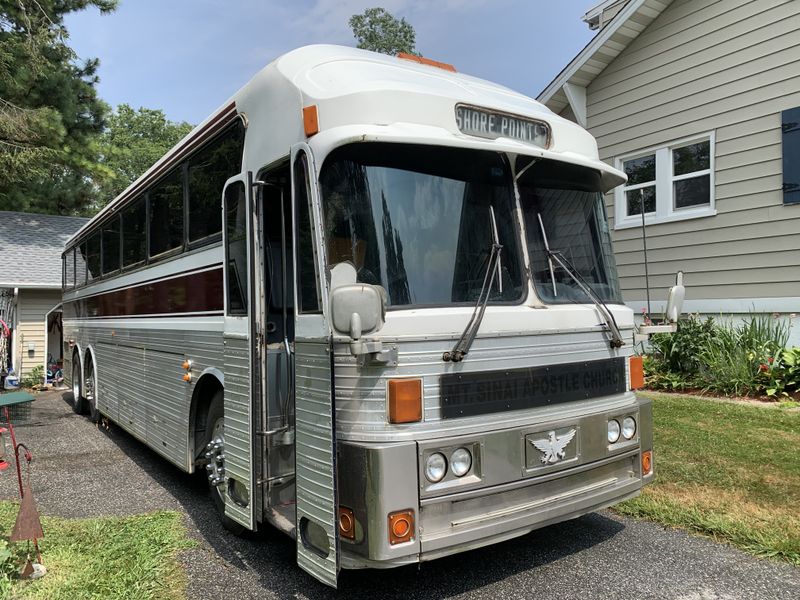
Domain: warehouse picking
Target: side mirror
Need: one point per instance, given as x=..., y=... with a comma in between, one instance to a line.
x=357, y=309
x=675, y=300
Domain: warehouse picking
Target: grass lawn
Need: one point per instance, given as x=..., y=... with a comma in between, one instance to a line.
x=726, y=470
x=110, y=557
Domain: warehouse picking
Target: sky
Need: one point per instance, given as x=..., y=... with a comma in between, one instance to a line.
x=187, y=57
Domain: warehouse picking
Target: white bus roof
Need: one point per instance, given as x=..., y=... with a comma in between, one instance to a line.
x=357, y=89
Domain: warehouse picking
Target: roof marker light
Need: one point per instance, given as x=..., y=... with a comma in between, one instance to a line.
x=427, y=61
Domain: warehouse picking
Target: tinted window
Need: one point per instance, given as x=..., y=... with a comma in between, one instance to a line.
x=134, y=236
x=209, y=169
x=80, y=264
x=236, y=247
x=93, y=256
x=166, y=214
x=69, y=269
x=307, y=292
x=790, y=126
x=111, y=238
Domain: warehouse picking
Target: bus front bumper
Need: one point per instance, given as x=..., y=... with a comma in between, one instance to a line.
x=460, y=522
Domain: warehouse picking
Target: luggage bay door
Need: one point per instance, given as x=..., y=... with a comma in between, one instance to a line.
x=241, y=352
x=315, y=427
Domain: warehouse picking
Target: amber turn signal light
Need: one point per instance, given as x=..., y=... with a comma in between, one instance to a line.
x=405, y=400
x=347, y=523
x=647, y=462
x=310, y=120
x=637, y=372
x=187, y=377
x=401, y=526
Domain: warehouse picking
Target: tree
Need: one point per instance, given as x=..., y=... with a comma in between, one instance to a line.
x=378, y=30
x=50, y=114
x=132, y=141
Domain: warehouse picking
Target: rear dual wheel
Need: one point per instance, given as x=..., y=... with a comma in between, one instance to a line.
x=84, y=395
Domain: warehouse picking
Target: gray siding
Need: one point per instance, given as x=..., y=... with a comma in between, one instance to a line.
x=729, y=67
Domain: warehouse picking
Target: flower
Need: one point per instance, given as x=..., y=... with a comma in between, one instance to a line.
x=763, y=368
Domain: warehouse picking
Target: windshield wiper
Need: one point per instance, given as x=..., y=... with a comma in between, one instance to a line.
x=464, y=343
x=608, y=316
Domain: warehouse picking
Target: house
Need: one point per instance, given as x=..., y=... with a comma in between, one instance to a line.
x=30, y=285
x=699, y=102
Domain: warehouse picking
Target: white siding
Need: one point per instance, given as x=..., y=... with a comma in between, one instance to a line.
x=729, y=67
x=32, y=307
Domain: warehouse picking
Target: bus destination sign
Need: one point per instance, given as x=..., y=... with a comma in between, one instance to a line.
x=484, y=392
x=492, y=125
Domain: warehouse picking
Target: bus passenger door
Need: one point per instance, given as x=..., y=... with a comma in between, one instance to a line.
x=242, y=380
x=315, y=427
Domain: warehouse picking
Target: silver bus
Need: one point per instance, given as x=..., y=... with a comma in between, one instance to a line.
x=374, y=301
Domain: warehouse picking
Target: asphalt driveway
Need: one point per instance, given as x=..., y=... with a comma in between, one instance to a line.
x=80, y=470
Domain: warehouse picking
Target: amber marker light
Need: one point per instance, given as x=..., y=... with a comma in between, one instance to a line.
x=187, y=364
x=347, y=523
x=405, y=400
x=637, y=372
x=310, y=120
x=647, y=462
x=187, y=377
x=427, y=61
x=401, y=526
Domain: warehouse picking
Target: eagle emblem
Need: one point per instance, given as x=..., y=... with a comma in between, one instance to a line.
x=553, y=448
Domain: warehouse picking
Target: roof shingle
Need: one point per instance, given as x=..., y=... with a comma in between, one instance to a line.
x=31, y=247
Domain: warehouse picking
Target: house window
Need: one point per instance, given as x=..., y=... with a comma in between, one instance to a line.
x=790, y=128
x=670, y=183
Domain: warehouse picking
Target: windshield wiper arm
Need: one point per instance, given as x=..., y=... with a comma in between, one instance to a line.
x=608, y=316
x=464, y=343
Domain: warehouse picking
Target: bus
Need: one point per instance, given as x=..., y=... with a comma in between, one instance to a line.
x=374, y=301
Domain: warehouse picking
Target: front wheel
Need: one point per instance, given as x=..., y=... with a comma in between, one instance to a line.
x=77, y=399
x=215, y=462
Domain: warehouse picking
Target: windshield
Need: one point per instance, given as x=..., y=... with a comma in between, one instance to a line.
x=420, y=221
x=570, y=203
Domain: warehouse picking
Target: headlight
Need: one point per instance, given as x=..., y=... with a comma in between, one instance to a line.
x=460, y=462
x=628, y=427
x=435, y=467
x=613, y=431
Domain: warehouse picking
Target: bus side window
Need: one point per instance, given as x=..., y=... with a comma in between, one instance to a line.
x=111, y=241
x=80, y=265
x=134, y=233
x=209, y=169
x=166, y=214
x=236, y=247
x=93, y=256
x=307, y=280
x=69, y=266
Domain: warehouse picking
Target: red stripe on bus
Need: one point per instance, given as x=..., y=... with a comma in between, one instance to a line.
x=198, y=292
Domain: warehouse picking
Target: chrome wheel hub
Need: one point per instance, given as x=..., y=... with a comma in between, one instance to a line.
x=215, y=456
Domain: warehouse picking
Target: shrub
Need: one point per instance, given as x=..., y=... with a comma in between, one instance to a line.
x=34, y=378
x=748, y=358
x=734, y=357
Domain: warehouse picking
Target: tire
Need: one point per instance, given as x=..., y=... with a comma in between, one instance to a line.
x=215, y=427
x=90, y=399
x=77, y=388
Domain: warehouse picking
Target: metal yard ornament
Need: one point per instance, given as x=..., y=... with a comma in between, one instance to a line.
x=28, y=525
